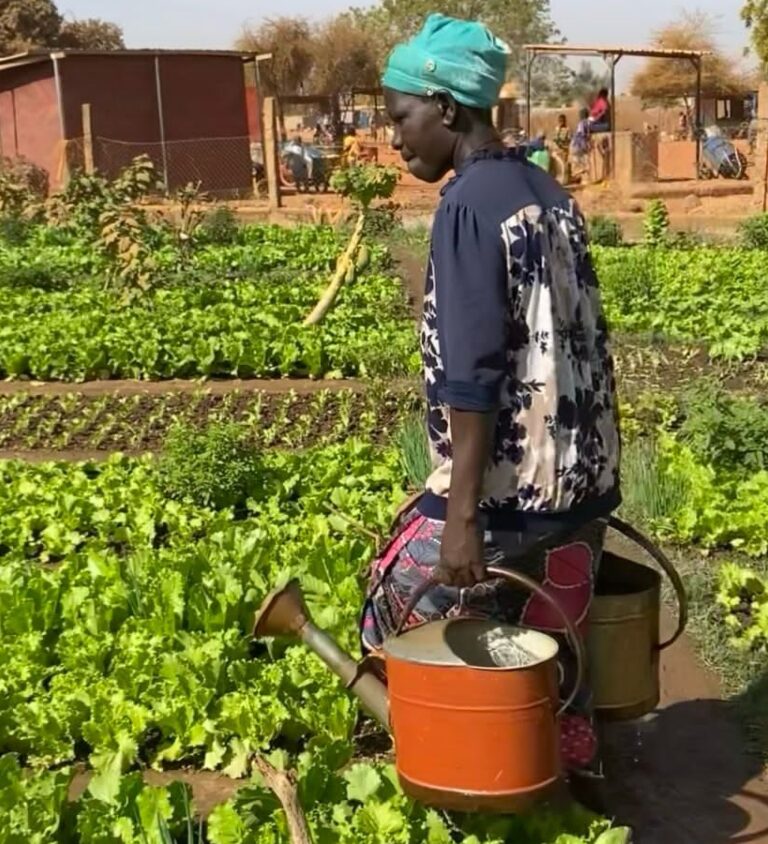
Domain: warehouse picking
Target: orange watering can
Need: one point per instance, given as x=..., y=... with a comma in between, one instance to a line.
x=473, y=705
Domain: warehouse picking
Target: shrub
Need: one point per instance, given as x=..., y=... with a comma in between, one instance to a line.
x=730, y=432
x=685, y=240
x=656, y=223
x=213, y=467
x=15, y=230
x=605, y=231
x=383, y=220
x=219, y=227
x=753, y=232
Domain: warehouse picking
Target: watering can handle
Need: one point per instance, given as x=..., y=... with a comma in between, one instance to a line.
x=666, y=564
x=519, y=579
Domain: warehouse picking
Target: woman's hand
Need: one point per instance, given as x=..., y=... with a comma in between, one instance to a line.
x=461, y=554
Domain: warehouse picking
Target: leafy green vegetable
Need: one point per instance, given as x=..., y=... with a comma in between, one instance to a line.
x=214, y=467
x=714, y=296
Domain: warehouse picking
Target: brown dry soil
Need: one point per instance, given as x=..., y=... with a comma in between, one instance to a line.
x=302, y=386
x=142, y=424
x=681, y=776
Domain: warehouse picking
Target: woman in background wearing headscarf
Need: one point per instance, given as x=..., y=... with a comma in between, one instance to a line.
x=519, y=380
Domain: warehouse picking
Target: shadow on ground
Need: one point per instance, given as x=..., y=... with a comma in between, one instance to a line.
x=682, y=775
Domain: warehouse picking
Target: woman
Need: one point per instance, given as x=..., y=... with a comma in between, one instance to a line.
x=582, y=142
x=519, y=380
x=600, y=113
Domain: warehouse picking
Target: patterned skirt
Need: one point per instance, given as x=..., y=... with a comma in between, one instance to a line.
x=566, y=570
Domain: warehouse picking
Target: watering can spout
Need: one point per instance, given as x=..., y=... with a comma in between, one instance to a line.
x=284, y=613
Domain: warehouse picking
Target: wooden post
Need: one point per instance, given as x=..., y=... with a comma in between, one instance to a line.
x=87, y=140
x=269, y=124
x=761, y=149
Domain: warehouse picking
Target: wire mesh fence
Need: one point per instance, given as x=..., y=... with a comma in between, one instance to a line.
x=223, y=167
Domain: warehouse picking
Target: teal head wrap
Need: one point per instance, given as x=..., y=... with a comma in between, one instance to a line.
x=460, y=57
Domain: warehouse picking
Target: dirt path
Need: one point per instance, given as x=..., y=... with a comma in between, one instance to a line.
x=682, y=776
x=277, y=386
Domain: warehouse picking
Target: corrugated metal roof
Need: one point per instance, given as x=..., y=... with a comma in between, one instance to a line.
x=599, y=50
x=40, y=55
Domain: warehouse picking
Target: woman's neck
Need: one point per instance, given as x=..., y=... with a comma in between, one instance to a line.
x=480, y=137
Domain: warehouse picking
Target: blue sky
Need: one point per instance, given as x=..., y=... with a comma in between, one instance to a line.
x=216, y=23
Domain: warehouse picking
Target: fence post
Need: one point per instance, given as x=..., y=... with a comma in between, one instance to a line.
x=87, y=139
x=269, y=125
x=161, y=124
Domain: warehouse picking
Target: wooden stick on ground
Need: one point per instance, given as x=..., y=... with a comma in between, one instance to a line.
x=284, y=787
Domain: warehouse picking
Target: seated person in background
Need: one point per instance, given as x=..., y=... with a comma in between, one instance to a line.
x=600, y=113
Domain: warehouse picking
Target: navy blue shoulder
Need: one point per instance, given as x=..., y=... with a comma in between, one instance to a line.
x=497, y=184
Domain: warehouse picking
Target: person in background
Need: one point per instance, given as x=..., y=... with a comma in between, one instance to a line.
x=582, y=141
x=538, y=153
x=520, y=385
x=352, y=150
x=562, y=141
x=682, y=126
x=562, y=136
x=600, y=113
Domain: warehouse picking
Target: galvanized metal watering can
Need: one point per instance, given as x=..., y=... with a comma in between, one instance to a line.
x=473, y=705
x=623, y=634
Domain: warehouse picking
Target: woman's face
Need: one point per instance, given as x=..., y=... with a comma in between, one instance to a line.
x=421, y=134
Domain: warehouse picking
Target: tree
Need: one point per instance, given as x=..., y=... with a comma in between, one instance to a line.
x=518, y=22
x=664, y=79
x=754, y=13
x=27, y=23
x=344, y=57
x=90, y=34
x=586, y=82
x=289, y=40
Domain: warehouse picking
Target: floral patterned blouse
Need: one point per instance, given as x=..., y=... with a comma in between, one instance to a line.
x=513, y=325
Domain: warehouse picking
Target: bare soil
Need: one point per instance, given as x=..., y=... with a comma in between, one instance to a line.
x=302, y=386
x=682, y=775
x=38, y=428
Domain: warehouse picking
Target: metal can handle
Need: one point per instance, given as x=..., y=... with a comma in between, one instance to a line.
x=516, y=577
x=667, y=567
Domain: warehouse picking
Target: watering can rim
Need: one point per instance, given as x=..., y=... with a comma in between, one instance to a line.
x=391, y=642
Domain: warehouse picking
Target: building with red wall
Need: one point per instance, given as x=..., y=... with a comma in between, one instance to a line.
x=187, y=110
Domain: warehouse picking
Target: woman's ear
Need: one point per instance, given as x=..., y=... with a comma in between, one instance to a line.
x=448, y=108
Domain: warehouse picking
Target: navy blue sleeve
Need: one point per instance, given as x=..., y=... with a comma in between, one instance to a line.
x=470, y=273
